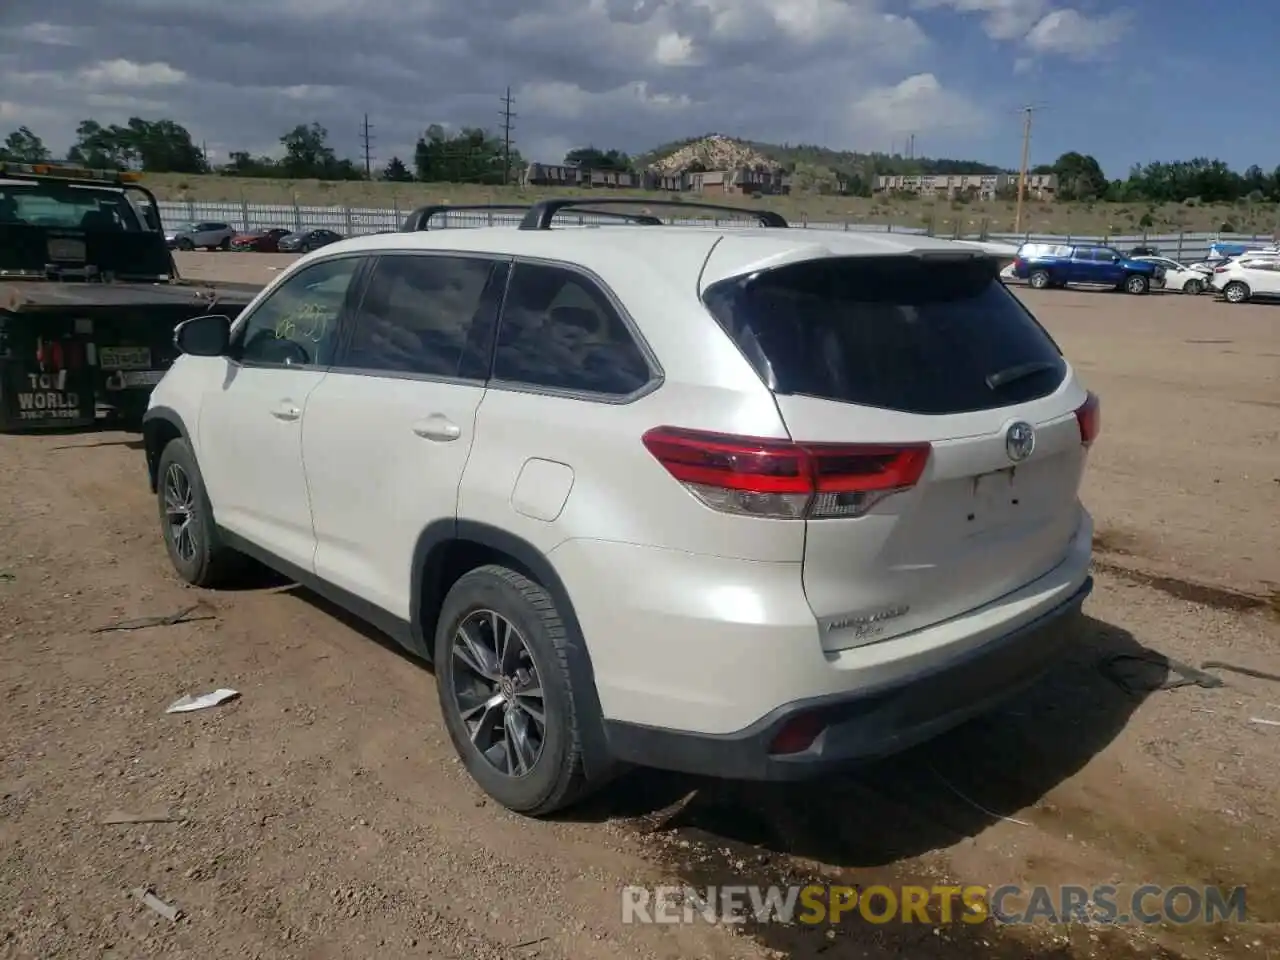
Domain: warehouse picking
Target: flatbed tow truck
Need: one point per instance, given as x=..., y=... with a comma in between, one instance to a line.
x=89, y=297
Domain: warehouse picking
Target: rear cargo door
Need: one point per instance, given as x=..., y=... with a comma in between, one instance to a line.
x=894, y=352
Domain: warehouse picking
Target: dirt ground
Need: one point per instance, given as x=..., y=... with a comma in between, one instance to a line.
x=322, y=813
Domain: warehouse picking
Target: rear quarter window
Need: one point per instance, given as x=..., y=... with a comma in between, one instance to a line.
x=898, y=333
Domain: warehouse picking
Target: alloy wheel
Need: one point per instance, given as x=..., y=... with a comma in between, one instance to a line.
x=179, y=511
x=498, y=693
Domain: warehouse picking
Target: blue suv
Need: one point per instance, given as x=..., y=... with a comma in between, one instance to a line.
x=1045, y=265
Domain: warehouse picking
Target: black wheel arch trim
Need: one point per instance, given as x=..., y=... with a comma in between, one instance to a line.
x=426, y=598
x=152, y=421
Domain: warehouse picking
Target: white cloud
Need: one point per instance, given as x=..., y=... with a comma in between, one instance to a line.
x=673, y=50
x=918, y=104
x=569, y=101
x=127, y=73
x=1001, y=19
x=47, y=34
x=1071, y=33
x=9, y=110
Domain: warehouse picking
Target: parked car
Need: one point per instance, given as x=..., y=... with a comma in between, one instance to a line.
x=1249, y=277
x=264, y=240
x=1178, y=276
x=621, y=506
x=1046, y=265
x=210, y=234
x=304, y=241
x=1138, y=252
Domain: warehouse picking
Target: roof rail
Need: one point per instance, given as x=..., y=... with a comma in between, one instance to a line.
x=420, y=219
x=543, y=212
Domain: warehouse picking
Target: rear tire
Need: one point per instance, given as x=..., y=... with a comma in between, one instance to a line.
x=185, y=244
x=1039, y=280
x=225, y=244
x=1235, y=292
x=1136, y=284
x=492, y=724
x=186, y=520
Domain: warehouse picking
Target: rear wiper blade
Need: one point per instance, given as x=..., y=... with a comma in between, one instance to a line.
x=1020, y=371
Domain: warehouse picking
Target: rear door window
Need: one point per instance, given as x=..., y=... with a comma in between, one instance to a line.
x=899, y=333
x=560, y=332
x=427, y=315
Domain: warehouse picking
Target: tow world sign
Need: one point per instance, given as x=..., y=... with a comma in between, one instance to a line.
x=46, y=397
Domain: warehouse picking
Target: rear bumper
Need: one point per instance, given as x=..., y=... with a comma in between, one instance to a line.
x=870, y=722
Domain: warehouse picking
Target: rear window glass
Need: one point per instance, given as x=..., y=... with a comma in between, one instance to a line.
x=899, y=333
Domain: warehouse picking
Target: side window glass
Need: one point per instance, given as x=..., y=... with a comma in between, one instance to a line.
x=418, y=315
x=558, y=330
x=297, y=323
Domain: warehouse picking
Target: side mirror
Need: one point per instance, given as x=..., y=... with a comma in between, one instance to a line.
x=208, y=336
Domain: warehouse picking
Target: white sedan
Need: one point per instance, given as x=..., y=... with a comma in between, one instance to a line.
x=1178, y=276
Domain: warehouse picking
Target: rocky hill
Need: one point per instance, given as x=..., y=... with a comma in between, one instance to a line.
x=713, y=152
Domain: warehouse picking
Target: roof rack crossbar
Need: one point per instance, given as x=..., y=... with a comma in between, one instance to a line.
x=420, y=219
x=543, y=212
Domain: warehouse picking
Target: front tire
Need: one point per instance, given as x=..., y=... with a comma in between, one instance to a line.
x=1137, y=284
x=502, y=673
x=1235, y=292
x=186, y=519
x=1193, y=287
x=1039, y=280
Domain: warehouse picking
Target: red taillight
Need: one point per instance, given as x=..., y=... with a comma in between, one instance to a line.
x=782, y=479
x=1089, y=416
x=797, y=734
x=1219, y=269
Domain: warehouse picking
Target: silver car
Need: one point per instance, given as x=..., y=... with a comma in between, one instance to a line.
x=210, y=234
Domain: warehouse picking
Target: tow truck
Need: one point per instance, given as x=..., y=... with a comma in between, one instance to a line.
x=89, y=297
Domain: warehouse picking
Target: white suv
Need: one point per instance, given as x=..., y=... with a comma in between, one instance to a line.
x=749, y=502
x=1249, y=276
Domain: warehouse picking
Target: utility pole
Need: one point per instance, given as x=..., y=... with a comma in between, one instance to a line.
x=507, y=117
x=911, y=147
x=366, y=137
x=1027, y=111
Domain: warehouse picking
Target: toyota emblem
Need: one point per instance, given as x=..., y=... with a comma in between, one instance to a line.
x=1020, y=441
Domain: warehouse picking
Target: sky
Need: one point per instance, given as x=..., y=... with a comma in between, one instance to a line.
x=1128, y=83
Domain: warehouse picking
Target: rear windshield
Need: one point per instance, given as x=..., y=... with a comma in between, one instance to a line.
x=67, y=207
x=899, y=333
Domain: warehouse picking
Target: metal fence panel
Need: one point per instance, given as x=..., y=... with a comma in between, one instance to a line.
x=357, y=221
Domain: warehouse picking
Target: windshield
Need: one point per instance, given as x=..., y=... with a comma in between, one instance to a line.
x=69, y=207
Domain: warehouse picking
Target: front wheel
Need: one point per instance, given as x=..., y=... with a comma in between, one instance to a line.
x=1235, y=292
x=1137, y=284
x=186, y=519
x=1039, y=280
x=1193, y=287
x=501, y=659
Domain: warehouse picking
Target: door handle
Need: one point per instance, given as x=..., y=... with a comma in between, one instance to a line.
x=285, y=410
x=437, y=427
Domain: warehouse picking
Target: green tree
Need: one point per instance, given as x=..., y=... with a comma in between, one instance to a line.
x=24, y=146
x=100, y=147
x=591, y=158
x=1079, y=177
x=470, y=156
x=396, y=172
x=307, y=152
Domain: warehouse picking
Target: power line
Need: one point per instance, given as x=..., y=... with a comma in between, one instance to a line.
x=507, y=117
x=366, y=137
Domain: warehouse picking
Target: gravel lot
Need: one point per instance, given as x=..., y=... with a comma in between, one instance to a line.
x=322, y=813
